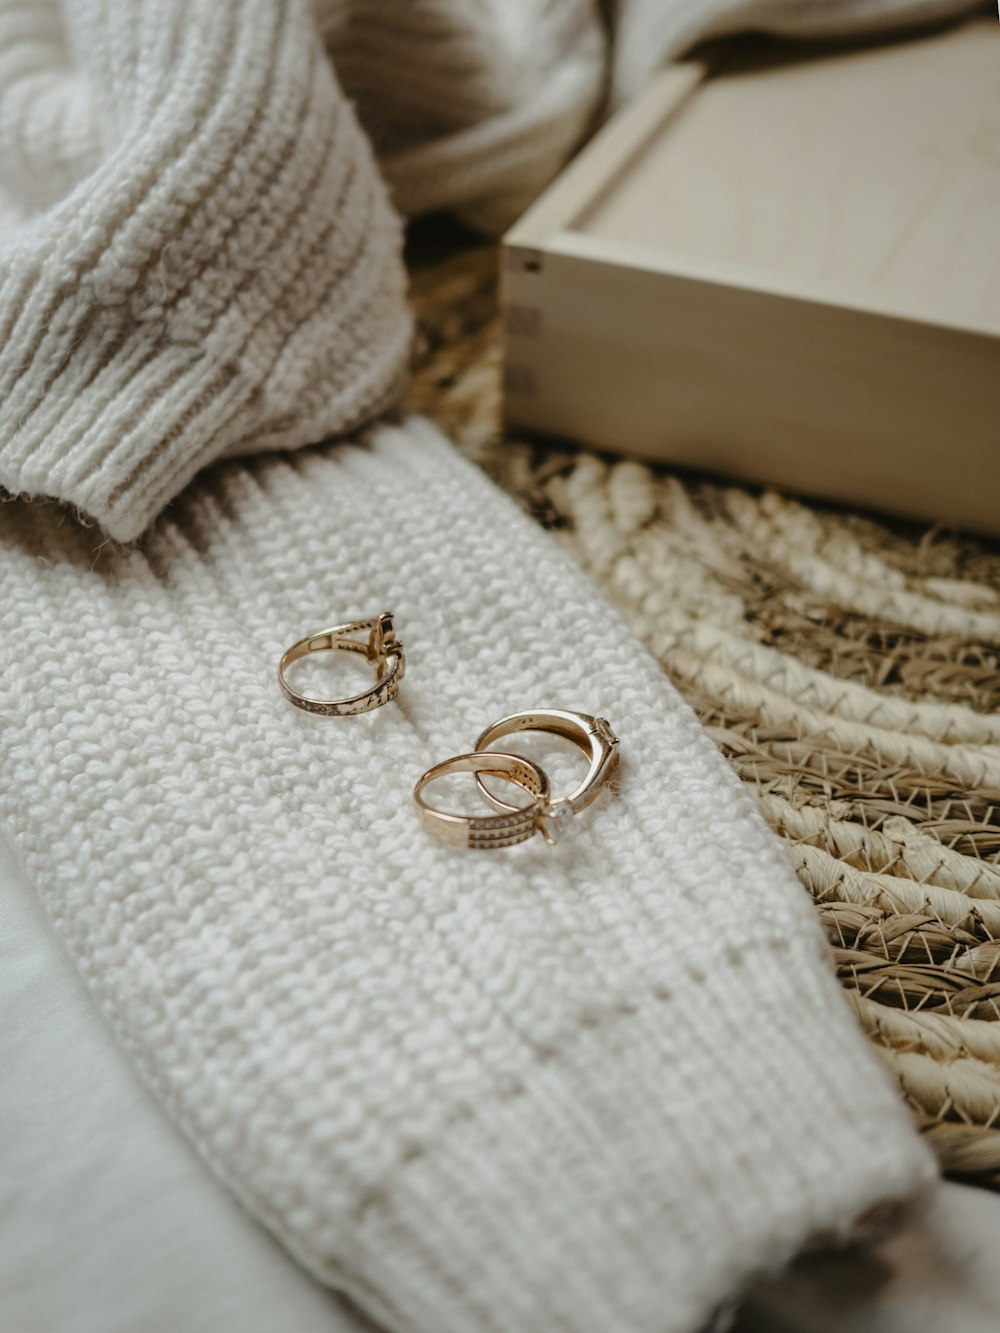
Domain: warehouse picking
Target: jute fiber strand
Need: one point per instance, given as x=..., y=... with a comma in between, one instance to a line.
x=849, y=669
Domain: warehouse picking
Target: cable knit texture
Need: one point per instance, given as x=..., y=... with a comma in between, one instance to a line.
x=523, y=1092
x=486, y=1091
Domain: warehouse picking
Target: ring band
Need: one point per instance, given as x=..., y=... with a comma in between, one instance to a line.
x=487, y=832
x=381, y=647
x=593, y=735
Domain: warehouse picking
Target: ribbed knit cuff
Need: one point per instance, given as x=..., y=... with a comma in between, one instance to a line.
x=228, y=278
x=662, y=1155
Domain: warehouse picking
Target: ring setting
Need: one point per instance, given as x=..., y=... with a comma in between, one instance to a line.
x=515, y=823
x=592, y=735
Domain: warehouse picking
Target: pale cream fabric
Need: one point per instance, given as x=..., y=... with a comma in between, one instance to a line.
x=513, y=1093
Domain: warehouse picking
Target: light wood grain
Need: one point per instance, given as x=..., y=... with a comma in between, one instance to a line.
x=786, y=269
x=875, y=171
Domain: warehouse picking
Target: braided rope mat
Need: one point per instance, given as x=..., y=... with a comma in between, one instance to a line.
x=848, y=668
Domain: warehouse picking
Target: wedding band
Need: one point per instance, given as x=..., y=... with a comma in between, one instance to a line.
x=381, y=647
x=593, y=735
x=488, y=832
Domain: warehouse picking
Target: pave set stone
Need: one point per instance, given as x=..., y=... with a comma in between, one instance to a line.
x=503, y=823
x=498, y=831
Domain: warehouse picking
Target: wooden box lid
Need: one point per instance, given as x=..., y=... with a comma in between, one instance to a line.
x=782, y=263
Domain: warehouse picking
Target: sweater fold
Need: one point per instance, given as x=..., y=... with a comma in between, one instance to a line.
x=227, y=278
x=586, y=1087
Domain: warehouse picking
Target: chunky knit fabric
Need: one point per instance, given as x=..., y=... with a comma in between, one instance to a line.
x=206, y=261
x=512, y=1093
x=487, y=1091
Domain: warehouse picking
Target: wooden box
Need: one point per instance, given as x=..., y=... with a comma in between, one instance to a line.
x=781, y=264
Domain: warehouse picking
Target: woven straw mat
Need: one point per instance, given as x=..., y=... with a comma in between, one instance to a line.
x=846, y=666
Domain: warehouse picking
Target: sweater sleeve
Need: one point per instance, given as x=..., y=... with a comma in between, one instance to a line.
x=585, y=1088
x=199, y=256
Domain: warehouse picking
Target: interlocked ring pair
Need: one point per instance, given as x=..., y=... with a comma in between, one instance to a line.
x=513, y=823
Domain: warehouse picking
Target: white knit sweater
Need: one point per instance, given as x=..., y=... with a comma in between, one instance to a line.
x=590, y=1088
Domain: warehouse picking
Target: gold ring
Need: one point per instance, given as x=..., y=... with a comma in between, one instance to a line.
x=381, y=647
x=593, y=735
x=488, y=832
